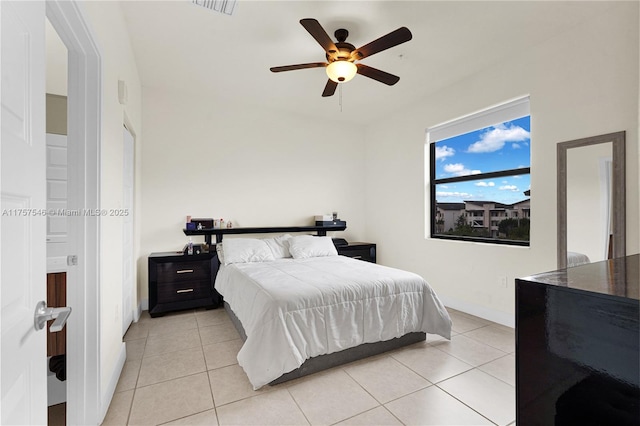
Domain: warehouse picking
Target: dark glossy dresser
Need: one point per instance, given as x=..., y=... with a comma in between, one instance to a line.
x=179, y=281
x=577, y=345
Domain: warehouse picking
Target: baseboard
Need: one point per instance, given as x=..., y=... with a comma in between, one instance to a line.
x=499, y=317
x=113, y=382
x=144, y=305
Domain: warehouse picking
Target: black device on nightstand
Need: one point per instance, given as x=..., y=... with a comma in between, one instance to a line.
x=181, y=281
x=357, y=250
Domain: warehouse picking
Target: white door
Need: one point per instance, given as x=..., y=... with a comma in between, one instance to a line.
x=127, y=232
x=23, y=231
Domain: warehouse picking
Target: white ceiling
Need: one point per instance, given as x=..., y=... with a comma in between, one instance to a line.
x=182, y=46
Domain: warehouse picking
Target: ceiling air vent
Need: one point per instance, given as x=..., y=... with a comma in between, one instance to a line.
x=222, y=6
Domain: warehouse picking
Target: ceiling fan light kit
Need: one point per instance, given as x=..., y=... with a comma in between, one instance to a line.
x=341, y=71
x=341, y=56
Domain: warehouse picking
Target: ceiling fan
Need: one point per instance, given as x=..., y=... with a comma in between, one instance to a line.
x=341, y=56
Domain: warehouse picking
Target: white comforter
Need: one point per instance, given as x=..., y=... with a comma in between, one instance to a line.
x=293, y=310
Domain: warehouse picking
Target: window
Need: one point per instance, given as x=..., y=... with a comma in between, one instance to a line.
x=479, y=176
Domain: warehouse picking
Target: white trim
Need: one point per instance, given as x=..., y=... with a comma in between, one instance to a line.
x=113, y=382
x=499, y=317
x=56, y=264
x=137, y=312
x=144, y=305
x=496, y=114
x=84, y=125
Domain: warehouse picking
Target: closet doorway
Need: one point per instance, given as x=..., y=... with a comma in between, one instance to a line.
x=57, y=222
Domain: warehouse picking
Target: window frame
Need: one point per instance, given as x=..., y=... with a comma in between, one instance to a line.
x=518, y=108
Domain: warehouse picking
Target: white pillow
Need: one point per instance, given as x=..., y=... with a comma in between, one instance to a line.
x=304, y=246
x=243, y=250
x=279, y=246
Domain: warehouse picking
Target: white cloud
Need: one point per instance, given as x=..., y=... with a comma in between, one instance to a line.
x=515, y=145
x=485, y=184
x=458, y=169
x=495, y=138
x=452, y=194
x=443, y=152
x=508, y=188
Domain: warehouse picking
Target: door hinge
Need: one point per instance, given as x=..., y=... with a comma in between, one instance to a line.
x=72, y=260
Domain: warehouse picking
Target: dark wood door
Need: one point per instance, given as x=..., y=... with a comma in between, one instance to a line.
x=56, y=298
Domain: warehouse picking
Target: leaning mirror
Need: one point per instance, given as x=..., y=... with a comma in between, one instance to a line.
x=591, y=199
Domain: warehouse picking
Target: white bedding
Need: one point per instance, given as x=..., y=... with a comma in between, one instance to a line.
x=576, y=259
x=295, y=309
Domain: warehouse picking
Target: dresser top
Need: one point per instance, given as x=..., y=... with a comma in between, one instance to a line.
x=617, y=277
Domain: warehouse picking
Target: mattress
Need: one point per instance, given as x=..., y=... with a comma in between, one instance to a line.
x=295, y=309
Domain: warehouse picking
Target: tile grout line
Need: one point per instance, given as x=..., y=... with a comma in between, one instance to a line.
x=215, y=406
x=466, y=405
x=474, y=366
x=135, y=388
x=297, y=405
x=213, y=399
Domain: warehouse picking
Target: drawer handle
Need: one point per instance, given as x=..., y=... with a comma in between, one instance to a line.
x=357, y=257
x=188, y=290
x=184, y=271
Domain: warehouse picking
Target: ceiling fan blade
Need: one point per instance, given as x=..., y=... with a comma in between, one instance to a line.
x=394, y=38
x=298, y=66
x=330, y=88
x=376, y=74
x=315, y=29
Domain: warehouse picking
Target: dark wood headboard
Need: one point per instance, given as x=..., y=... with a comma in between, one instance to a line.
x=208, y=232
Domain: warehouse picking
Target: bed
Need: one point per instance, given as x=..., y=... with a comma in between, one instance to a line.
x=301, y=308
x=576, y=259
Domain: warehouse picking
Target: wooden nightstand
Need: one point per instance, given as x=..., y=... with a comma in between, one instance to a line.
x=362, y=251
x=179, y=281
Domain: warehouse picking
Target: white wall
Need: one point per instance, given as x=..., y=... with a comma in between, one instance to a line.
x=118, y=63
x=56, y=62
x=253, y=166
x=582, y=83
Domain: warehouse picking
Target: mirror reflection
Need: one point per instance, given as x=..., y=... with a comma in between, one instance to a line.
x=589, y=228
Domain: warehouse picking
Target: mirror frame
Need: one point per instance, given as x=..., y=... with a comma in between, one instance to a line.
x=617, y=194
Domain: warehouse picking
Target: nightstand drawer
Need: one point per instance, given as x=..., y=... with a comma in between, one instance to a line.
x=183, y=271
x=187, y=290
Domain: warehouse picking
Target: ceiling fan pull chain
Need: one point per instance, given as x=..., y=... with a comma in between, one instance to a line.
x=340, y=95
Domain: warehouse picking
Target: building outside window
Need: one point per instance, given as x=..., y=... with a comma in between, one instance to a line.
x=479, y=176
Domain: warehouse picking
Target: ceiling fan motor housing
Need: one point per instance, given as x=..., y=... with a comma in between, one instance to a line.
x=344, y=52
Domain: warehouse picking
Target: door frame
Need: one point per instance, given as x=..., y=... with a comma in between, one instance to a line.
x=133, y=310
x=84, y=402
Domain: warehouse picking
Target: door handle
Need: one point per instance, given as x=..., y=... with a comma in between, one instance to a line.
x=44, y=314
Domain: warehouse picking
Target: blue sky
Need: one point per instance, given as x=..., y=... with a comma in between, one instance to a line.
x=500, y=147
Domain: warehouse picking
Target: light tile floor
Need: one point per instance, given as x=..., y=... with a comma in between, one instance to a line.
x=181, y=369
